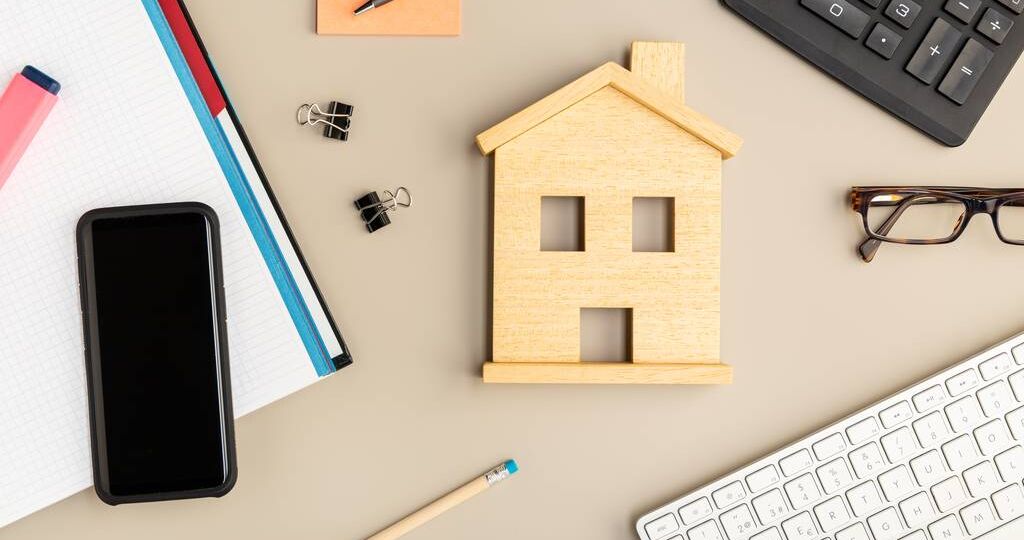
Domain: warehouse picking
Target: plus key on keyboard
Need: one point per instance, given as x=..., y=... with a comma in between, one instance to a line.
x=933, y=53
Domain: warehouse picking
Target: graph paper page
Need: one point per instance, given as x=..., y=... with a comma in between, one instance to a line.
x=122, y=133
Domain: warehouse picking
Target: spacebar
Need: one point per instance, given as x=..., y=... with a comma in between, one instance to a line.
x=842, y=14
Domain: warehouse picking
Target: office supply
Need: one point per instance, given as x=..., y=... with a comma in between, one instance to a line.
x=370, y=4
x=609, y=137
x=24, y=106
x=936, y=65
x=451, y=500
x=374, y=210
x=934, y=215
x=336, y=119
x=191, y=147
x=406, y=18
x=942, y=456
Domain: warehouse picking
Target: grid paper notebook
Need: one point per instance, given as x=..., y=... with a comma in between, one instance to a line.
x=123, y=132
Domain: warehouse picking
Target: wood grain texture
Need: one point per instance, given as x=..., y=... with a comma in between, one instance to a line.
x=614, y=75
x=661, y=63
x=606, y=373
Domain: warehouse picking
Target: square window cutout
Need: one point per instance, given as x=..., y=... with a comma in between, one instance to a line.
x=561, y=223
x=654, y=224
x=606, y=334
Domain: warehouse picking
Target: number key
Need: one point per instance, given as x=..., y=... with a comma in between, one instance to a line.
x=904, y=12
x=844, y=15
x=738, y=523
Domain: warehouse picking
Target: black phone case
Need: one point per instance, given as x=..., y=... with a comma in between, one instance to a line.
x=93, y=378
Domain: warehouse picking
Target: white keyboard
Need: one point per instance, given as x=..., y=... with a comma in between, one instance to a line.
x=941, y=460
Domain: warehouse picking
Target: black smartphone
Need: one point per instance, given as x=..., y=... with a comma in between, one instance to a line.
x=156, y=352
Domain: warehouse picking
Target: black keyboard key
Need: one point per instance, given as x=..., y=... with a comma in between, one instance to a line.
x=965, y=10
x=994, y=25
x=1016, y=5
x=966, y=71
x=904, y=12
x=844, y=15
x=933, y=53
x=884, y=41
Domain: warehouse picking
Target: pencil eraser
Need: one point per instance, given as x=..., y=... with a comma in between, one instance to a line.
x=511, y=466
x=23, y=106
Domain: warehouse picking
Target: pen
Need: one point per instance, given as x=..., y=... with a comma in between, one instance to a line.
x=449, y=501
x=23, y=106
x=370, y=4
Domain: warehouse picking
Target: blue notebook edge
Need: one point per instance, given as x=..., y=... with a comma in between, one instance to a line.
x=269, y=248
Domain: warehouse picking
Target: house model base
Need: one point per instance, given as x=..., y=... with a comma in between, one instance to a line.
x=610, y=137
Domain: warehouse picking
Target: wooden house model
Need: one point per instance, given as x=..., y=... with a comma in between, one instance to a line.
x=609, y=137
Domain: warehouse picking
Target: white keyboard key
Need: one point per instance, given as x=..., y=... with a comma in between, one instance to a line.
x=770, y=534
x=1018, y=354
x=1016, y=422
x=834, y=475
x=662, y=527
x=770, y=507
x=853, y=532
x=899, y=444
x=829, y=446
x=928, y=468
x=737, y=523
x=831, y=514
x=978, y=518
x=886, y=525
x=996, y=399
x=947, y=528
x=729, y=495
x=696, y=511
x=896, y=483
x=960, y=452
x=763, y=478
x=800, y=527
x=930, y=398
x=917, y=510
x=963, y=414
x=949, y=494
x=916, y=535
x=1017, y=385
x=802, y=491
x=705, y=531
x=962, y=382
x=896, y=415
x=981, y=479
x=994, y=368
x=931, y=430
x=867, y=461
x=1009, y=502
x=864, y=499
x=992, y=437
x=796, y=462
x=1011, y=464
x=864, y=430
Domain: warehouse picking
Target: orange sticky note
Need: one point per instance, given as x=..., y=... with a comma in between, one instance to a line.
x=397, y=18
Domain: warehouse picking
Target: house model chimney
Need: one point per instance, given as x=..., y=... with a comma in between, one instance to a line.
x=661, y=64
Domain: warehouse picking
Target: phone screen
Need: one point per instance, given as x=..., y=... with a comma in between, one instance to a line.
x=159, y=405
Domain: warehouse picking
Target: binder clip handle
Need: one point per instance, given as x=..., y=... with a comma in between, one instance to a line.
x=336, y=119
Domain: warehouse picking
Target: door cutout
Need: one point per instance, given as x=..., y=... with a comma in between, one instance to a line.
x=606, y=334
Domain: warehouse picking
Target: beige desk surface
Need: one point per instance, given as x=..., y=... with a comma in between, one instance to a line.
x=813, y=332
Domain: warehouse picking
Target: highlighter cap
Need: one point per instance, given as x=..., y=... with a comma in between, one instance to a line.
x=41, y=79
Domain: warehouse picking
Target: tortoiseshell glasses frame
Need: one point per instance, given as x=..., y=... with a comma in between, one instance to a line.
x=973, y=200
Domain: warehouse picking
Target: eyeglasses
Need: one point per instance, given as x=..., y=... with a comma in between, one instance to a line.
x=934, y=215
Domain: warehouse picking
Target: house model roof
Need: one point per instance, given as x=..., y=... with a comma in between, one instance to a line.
x=630, y=84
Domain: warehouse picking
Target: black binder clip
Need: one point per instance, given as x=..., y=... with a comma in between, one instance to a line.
x=374, y=211
x=336, y=119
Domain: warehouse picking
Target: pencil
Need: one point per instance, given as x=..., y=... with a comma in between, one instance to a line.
x=448, y=502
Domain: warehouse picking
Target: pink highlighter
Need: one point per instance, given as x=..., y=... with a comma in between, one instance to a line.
x=23, y=108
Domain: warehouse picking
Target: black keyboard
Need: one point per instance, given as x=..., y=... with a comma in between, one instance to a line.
x=936, y=64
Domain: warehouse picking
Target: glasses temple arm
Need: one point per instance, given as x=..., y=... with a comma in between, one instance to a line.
x=869, y=247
